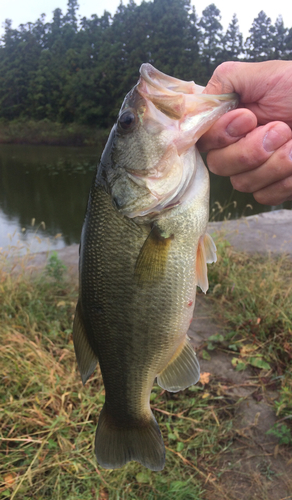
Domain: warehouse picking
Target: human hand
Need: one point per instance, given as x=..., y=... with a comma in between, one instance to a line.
x=258, y=159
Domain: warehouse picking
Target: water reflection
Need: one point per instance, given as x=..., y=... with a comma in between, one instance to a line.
x=46, y=184
x=51, y=184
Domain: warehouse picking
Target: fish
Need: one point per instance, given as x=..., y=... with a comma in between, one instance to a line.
x=144, y=249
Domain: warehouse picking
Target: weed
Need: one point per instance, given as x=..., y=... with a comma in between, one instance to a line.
x=55, y=268
x=253, y=296
x=48, y=420
x=282, y=432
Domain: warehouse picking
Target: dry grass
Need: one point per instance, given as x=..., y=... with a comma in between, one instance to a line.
x=48, y=420
x=254, y=296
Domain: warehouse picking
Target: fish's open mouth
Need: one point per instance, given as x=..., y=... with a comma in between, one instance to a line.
x=173, y=114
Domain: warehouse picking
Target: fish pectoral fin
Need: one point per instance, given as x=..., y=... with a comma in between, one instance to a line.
x=206, y=254
x=86, y=358
x=152, y=259
x=182, y=371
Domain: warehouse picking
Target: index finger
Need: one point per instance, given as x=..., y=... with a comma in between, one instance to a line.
x=228, y=129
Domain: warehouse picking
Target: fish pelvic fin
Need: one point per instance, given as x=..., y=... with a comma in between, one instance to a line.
x=182, y=370
x=115, y=445
x=206, y=254
x=152, y=259
x=86, y=358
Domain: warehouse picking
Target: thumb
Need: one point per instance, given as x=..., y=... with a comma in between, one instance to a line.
x=223, y=80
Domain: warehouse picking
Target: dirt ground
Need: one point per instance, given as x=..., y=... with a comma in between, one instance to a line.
x=254, y=467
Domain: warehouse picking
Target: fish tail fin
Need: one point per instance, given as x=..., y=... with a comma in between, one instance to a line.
x=115, y=445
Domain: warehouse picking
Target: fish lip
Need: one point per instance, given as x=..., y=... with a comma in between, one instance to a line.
x=169, y=84
x=150, y=90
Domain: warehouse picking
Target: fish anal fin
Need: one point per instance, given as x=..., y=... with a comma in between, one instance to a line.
x=182, y=370
x=115, y=445
x=152, y=259
x=206, y=254
x=86, y=358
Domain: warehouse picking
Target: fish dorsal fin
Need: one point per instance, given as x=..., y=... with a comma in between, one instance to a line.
x=152, y=259
x=86, y=358
x=206, y=254
x=182, y=370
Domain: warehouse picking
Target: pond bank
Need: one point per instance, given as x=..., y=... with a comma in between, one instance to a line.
x=45, y=132
x=266, y=232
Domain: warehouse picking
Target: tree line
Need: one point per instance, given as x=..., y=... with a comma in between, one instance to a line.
x=71, y=70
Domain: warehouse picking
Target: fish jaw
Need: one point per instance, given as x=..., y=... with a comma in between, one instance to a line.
x=183, y=102
x=161, y=119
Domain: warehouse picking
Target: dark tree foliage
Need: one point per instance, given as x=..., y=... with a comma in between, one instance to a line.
x=280, y=40
x=79, y=70
x=259, y=44
x=212, y=37
x=232, y=42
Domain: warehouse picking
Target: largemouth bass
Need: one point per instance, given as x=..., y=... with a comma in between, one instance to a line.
x=144, y=249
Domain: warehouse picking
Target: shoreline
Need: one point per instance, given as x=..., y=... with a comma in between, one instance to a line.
x=47, y=133
x=268, y=232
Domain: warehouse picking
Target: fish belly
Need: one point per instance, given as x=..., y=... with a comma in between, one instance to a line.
x=134, y=329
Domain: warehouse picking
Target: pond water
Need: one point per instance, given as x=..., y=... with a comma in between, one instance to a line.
x=44, y=191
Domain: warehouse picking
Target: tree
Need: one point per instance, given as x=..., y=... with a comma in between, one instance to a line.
x=280, y=39
x=71, y=18
x=259, y=44
x=211, y=38
x=232, y=41
x=18, y=62
x=289, y=44
x=66, y=71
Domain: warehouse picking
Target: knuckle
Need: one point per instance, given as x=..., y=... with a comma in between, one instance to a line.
x=220, y=78
x=261, y=198
x=287, y=185
x=212, y=163
x=248, y=159
x=225, y=68
x=241, y=183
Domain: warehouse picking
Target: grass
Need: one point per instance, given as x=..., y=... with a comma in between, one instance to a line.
x=253, y=296
x=48, y=419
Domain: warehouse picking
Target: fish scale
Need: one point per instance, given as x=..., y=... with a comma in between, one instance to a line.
x=142, y=254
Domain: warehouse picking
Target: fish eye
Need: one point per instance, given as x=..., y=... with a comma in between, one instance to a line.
x=127, y=120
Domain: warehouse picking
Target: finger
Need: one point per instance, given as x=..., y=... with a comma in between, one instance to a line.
x=249, y=152
x=264, y=88
x=277, y=168
x=276, y=193
x=228, y=129
x=241, y=77
x=222, y=80
x=251, y=81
